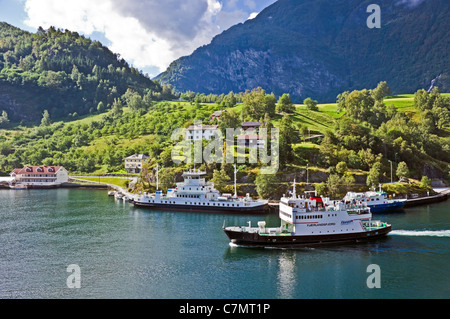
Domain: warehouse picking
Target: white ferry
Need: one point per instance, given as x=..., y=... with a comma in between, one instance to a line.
x=309, y=222
x=195, y=194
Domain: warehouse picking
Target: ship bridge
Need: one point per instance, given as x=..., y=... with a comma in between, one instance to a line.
x=193, y=179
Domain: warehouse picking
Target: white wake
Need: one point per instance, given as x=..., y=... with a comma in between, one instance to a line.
x=426, y=233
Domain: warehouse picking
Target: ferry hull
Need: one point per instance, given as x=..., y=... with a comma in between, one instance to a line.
x=389, y=207
x=261, y=209
x=290, y=241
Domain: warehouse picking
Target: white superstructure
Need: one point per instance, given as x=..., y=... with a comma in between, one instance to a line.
x=311, y=217
x=305, y=216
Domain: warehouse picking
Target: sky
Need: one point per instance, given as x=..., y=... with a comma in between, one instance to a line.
x=148, y=34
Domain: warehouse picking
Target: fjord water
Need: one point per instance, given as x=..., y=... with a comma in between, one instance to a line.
x=128, y=252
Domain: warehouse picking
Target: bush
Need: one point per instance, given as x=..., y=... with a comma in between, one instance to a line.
x=311, y=104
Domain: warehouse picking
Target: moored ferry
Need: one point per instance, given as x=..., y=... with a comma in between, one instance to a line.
x=308, y=222
x=377, y=201
x=195, y=194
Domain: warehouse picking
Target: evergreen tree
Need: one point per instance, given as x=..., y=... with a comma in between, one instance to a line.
x=373, y=179
x=425, y=182
x=402, y=170
x=45, y=121
x=4, y=119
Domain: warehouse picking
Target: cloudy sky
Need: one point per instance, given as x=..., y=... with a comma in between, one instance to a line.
x=149, y=34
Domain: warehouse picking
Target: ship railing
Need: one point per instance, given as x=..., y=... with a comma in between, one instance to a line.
x=270, y=231
x=373, y=224
x=358, y=210
x=301, y=208
x=351, y=208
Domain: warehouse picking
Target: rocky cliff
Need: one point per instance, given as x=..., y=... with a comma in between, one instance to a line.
x=318, y=48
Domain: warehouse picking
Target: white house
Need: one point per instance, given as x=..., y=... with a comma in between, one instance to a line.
x=201, y=132
x=40, y=176
x=133, y=163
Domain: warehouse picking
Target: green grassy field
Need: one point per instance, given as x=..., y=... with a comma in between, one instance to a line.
x=121, y=182
x=320, y=121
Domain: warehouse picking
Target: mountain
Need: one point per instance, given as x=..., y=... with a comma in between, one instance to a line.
x=320, y=48
x=62, y=72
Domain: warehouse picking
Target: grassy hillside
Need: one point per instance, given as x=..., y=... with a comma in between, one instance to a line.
x=97, y=144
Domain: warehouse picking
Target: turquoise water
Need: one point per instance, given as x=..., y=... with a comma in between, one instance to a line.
x=128, y=252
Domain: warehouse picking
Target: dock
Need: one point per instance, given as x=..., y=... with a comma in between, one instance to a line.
x=443, y=195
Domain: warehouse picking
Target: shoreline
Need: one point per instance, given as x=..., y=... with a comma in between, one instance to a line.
x=442, y=195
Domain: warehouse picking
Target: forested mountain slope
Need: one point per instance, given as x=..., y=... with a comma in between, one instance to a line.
x=319, y=48
x=62, y=72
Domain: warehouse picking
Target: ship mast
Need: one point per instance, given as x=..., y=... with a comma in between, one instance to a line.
x=235, y=187
x=294, y=195
x=157, y=176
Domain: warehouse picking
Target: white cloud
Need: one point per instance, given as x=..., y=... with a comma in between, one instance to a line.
x=251, y=4
x=146, y=33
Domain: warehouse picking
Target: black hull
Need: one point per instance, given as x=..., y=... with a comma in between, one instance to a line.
x=256, y=240
x=205, y=209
